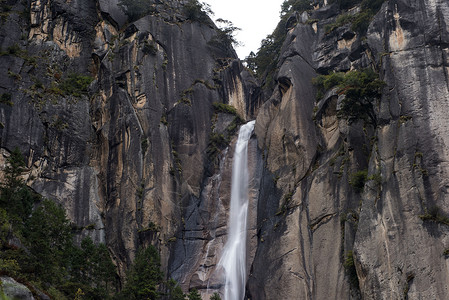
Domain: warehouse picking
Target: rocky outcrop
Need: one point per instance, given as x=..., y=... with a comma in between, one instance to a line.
x=13, y=290
x=313, y=225
x=142, y=156
x=127, y=158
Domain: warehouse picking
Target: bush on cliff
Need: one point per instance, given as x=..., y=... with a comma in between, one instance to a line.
x=361, y=89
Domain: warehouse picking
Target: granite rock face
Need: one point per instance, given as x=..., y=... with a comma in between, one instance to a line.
x=318, y=226
x=128, y=158
x=142, y=156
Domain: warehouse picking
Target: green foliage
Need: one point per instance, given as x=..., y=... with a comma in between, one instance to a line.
x=358, y=180
x=360, y=21
x=5, y=227
x=326, y=82
x=434, y=214
x=16, y=198
x=136, y=9
x=361, y=89
x=224, y=108
x=349, y=266
x=149, y=48
x=218, y=140
x=215, y=296
x=225, y=37
x=289, y=6
x=264, y=63
x=197, y=12
x=91, y=268
x=51, y=259
x=144, y=145
x=194, y=295
x=14, y=50
x=49, y=238
x=9, y=266
x=339, y=22
x=75, y=85
x=144, y=276
x=174, y=291
x=5, y=98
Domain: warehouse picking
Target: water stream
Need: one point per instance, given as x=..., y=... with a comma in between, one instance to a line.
x=233, y=259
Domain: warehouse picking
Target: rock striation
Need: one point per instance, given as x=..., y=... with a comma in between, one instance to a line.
x=142, y=154
x=319, y=237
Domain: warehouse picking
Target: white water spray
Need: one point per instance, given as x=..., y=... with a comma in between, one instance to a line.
x=233, y=259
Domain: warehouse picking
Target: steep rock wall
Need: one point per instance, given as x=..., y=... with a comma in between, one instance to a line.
x=128, y=159
x=311, y=222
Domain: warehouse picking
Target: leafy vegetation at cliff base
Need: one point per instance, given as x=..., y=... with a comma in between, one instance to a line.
x=46, y=256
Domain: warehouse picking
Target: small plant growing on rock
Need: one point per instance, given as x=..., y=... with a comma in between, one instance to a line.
x=75, y=85
x=6, y=99
x=224, y=108
x=434, y=214
x=196, y=11
x=361, y=89
x=358, y=180
x=349, y=266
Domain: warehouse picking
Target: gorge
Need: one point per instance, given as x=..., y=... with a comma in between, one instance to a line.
x=129, y=120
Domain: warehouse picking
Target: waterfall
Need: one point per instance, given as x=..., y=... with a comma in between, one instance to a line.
x=233, y=259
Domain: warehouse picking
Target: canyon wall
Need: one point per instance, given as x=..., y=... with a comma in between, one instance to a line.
x=144, y=154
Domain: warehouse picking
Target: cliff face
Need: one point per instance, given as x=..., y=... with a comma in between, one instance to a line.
x=313, y=155
x=127, y=159
x=142, y=155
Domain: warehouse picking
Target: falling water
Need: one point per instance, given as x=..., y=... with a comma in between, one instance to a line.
x=233, y=259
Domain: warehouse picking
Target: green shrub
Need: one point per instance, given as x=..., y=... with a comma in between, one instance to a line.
x=349, y=266
x=194, y=295
x=215, y=296
x=434, y=214
x=326, y=82
x=174, y=291
x=197, y=12
x=224, y=108
x=225, y=37
x=361, y=21
x=144, y=276
x=49, y=238
x=358, y=180
x=345, y=4
x=5, y=98
x=15, y=197
x=149, y=48
x=75, y=85
x=361, y=89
